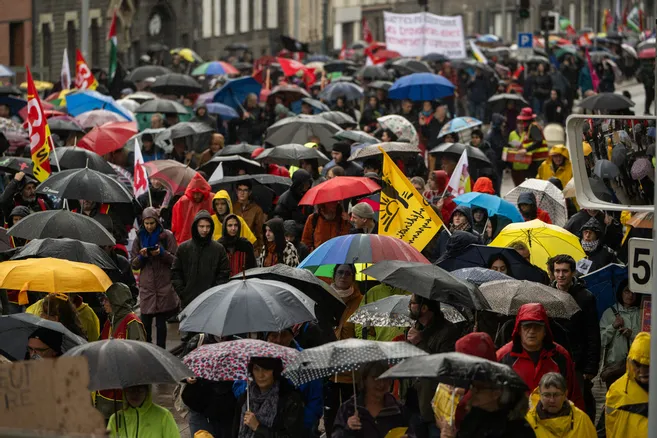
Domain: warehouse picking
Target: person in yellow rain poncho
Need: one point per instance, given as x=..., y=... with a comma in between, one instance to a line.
x=552, y=415
x=88, y=319
x=223, y=206
x=557, y=165
x=626, y=408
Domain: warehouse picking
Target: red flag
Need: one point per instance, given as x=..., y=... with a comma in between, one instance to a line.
x=290, y=67
x=40, y=140
x=367, y=32
x=343, y=52
x=84, y=79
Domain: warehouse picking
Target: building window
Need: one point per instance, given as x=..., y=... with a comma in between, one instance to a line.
x=272, y=14
x=348, y=32
x=94, y=40
x=230, y=17
x=71, y=43
x=244, y=15
x=46, y=49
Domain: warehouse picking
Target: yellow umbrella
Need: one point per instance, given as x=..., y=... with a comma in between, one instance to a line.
x=187, y=54
x=40, y=85
x=543, y=240
x=52, y=275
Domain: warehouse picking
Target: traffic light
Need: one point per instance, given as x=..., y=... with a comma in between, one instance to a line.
x=523, y=9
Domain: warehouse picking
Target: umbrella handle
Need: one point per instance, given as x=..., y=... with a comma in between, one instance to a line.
x=248, y=404
x=353, y=381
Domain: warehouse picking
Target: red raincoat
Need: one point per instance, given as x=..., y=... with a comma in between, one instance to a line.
x=185, y=209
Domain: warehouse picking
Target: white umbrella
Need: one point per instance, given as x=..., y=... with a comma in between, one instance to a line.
x=548, y=198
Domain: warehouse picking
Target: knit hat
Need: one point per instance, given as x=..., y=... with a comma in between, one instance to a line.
x=344, y=148
x=49, y=337
x=363, y=210
x=290, y=227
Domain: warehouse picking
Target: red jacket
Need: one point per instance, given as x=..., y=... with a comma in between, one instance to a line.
x=185, y=209
x=543, y=215
x=553, y=357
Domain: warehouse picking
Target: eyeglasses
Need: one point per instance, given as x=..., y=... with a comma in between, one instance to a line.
x=343, y=272
x=243, y=190
x=39, y=351
x=552, y=395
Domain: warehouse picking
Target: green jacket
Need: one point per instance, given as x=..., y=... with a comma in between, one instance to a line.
x=380, y=333
x=617, y=345
x=147, y=421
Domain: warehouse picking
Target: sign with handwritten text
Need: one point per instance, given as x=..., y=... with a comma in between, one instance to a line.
x=423, y=33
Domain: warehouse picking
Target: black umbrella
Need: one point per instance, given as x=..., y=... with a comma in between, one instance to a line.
x=605, y=169
x=243, y=149
x=456, y=150
x=121, y=363
x=289, y=93
x=299, y=129
x=317, y=104
x=356, y=137
x=374, y=72
x=147, y=71
x=600, y=189
x=339, y=118
x=73, y=157
x=186, y=129
x=329, y=306
x=231, y=164
x=536, y=59
x=407, y=66
x=499, y=102
x=16, y=329
x=16, y=164
x=67, y=249
x=428, y=281
x=435, y=57
x=479, y=256
x=380, y=85
x=339, y=66
x=177, y=84
x=10, y=90
x=275, y=183
x=291, y=154
x=243, y=66
x=62, y=223
x=57, y=125
x=606, y=102
x=87, y=184
x=457, y=369
x=161, y=106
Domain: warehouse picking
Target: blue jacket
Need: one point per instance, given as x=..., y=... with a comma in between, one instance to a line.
x=584, y=81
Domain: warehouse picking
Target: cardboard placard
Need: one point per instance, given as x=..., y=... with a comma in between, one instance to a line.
x=48, y=396
x=646, y=313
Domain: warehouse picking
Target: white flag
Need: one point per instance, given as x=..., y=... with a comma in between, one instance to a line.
x=217, y=175
x=140, y=181
x=459, y=182
x=65, y=75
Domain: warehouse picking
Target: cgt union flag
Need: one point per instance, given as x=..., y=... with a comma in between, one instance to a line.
x=40, y=140
x=84, y=79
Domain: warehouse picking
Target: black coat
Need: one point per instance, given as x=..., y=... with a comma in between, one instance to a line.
x=479, y=423
x=555, y=111
x=601, y=257
x=11, y=198
x=288, y=204
x=351, y=168
x=393, y=415
x=430, y=131
x=250, y=130
x=613, y=233
x=542, y=86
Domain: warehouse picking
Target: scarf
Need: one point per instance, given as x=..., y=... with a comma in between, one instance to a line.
x=271, y=257
x=264, y=406
x=590, y=246
x=464, y=226
x=147, y=240
x=343, y=293
x=542, y=414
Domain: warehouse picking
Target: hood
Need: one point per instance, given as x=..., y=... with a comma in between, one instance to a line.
x=19, y=210
x=497, y=120
x=299, y=178
x=594, y=225
x=484, y=219
x=222, y=194
x=460, y=240
x=203, y=214
x=198, y=184
x=441, y=180
x=640, y=350
x=466, y=211
x=276, y=225
x=477, y=344
x=527, y=198
x=484, y=185
x=560, y=149
x=148, y=403
x=291, y=228
x=532, y=312
x=119, y=296
x=150, y=212
x=224, y=234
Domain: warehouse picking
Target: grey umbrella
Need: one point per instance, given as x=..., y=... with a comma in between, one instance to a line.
x=506, y=296
x=339, y=118
x=356, y=137
x=317, y=104
x=605, y=169
x=456, y=149
x=165, y=145
x=62, y=223
x=618, y=154
x=244, y=306
x=87, y=184
x=67, y=249
x=345, y=355
x=243, y=149
x=16, y=329
x=393, y=311
x=394, y=148
x=291, y=154
x=121, y=363
x=162, y=106
x=479, y=276
x=299, y=129
x=183, y=129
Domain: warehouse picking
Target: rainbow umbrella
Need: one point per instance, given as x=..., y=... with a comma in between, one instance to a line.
x=215, y=68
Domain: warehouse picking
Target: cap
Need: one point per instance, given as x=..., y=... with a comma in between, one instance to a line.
x=363, y=210
x=532, y=322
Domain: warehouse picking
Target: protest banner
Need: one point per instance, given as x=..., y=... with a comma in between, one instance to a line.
x=423, y=33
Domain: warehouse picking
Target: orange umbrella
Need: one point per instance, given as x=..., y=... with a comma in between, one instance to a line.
x=108, y=137
x=641, y=220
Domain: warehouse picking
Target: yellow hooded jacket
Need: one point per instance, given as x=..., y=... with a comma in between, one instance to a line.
x=575, y=425
x=88, y=319
x=627, y=402
x=219, y=227
x=564, y=172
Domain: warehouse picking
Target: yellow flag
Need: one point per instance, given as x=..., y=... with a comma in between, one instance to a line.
x=404, y=212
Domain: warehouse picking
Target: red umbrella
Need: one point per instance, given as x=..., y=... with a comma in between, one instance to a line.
x=108, y=137
x=647, y=53
x=174, y=175
x=387, y=54
x=339, y=188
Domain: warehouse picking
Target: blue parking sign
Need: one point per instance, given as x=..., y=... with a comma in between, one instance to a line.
x=525, y=40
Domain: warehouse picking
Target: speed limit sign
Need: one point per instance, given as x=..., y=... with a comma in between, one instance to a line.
x=640, y=265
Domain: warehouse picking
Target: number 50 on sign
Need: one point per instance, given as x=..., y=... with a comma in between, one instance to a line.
x=640, y=265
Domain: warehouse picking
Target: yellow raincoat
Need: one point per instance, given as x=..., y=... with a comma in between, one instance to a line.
x=626, y=412
x=563, y=172
x=575, y=425
x=219, y=227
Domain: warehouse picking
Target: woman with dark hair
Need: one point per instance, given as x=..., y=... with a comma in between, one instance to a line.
x=388, y=135
x=239, y=250
x=57, y=307
x=373, y=110
x=276, y=249
x=274, y=408
x=343, y=106
x=499, y=263
x=312, y=167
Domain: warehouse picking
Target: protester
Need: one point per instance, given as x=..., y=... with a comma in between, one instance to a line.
x=340, y=153
x=197, y=197
x=599, y=254
x=557, y=165
x=293, y=235
x=43, y=343
x=326, y=223
x=612, y=232
x=251, y=212
x=362, y=219
x=251, y=124
x=238, y=250
x=222, y=207
x=21, y=190
x=57, y=307
x=216, y=144
x=437, y=196
x=276, y=248
x=554, y=109
x=529, y=208
x=288, y=204
x=140, y=417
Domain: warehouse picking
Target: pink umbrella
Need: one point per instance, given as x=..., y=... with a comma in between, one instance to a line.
x=97, y=118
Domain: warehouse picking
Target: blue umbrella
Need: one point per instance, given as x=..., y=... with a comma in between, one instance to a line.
x=6, y=72
x=458, y=124
x=15, y=104
x=604, y=283
x=234, y=92
x=494, y=205
x=226, y=112
x=420, y=87
x=488, y=38
x=88, y=100
x=347, y=90
x=479, y=276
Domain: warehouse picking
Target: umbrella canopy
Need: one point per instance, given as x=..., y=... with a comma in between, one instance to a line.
x=16, y=329
x=457, y=369
x=391, y=148
x=289, y=93
x=374, y=72
x=86, y=184
x=141, y=96
x=73, y=157
x=479, y=276
x=606, y=102
x=16, y=164
x=184, y=129
x=215, y=68
x=165, y=145
x=380, y=85
x=494, y=205
x=428, y=281
x=393, y=311
x=642, y=220
x=356, y=137
x=62, y=125
x=109, y=137
x=122, y=363
x=98, y=117
x=62, y=223
x=224, y=111
x=15, y=104
x=172, y=174
x=147, y=71
x=54, y=275
x=234, y=92
x=506, y=297
x=338, y=189
x=164, y=106
x=10, y=90
x=456, y=150
x=274, y=183
x=343, y=356
x=339, y=118
x=543, y=240
x=176, y=83
x=66, y=249
x=316, y=104
x=232, y=164
x=299, y=129
x=187, y=54
x=480, y=256
x=402, y=128
x=499, y=102
x=459, y=124
x=421, y=87
x=243, y=306
x=359, y=248
x=339, y=65
x=85, y=101
x=435, y=57
x=128, y=104
x=604, y=284
x=243, y=149
x=647, y=53
x=346, y=90
x=408, y=66
x=291, y=154
x=329, y=306
x=548, y=198
x=228, y=361
x=605, y=169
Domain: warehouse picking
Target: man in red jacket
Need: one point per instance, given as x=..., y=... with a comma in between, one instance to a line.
x=533, y=352
x=197, y=197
